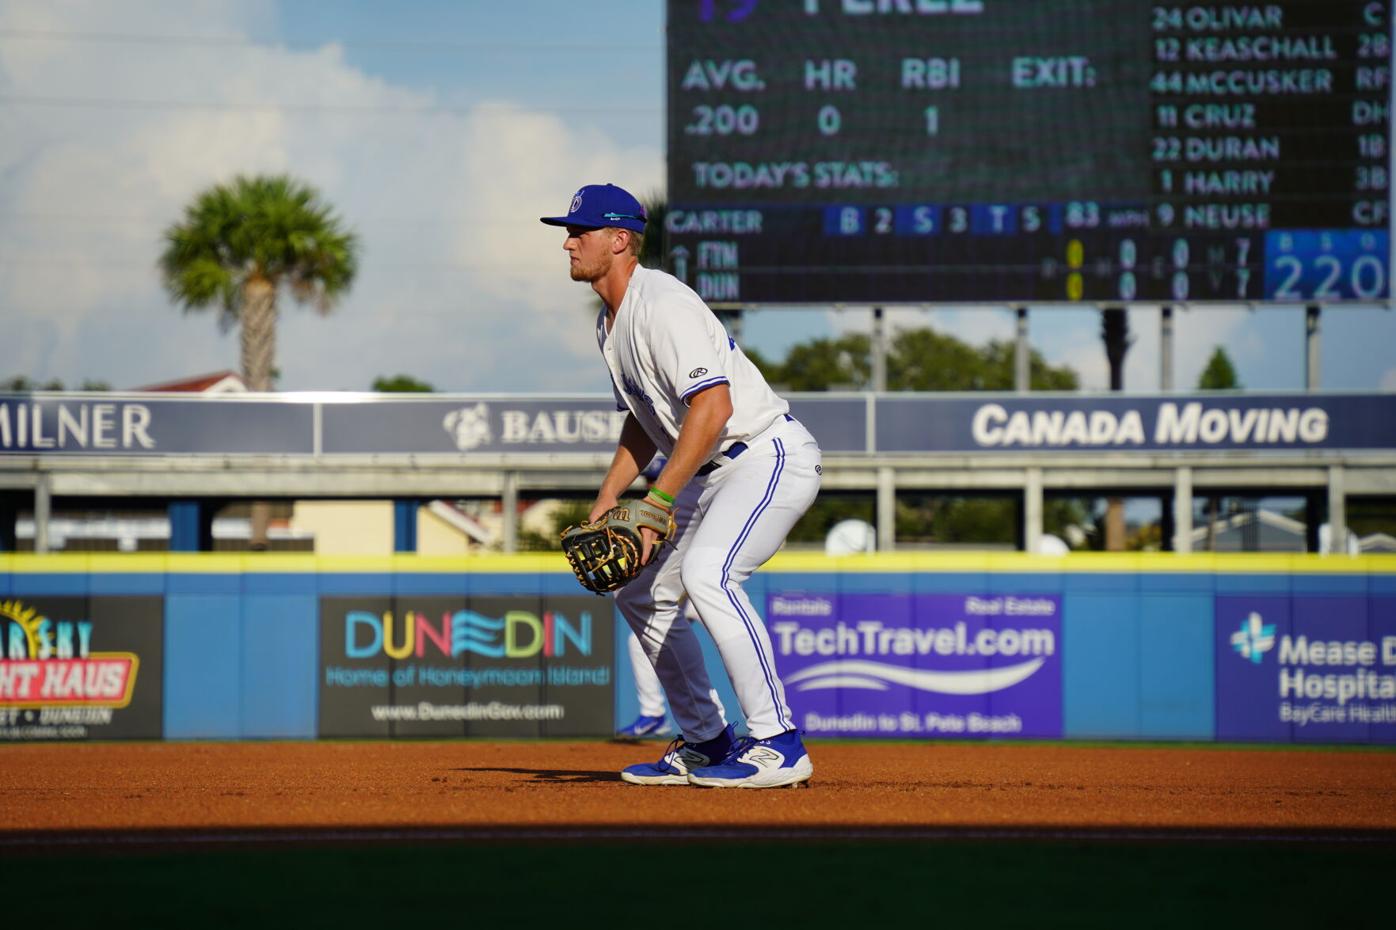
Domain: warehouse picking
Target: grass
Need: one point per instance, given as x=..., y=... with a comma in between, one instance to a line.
x=930, y=884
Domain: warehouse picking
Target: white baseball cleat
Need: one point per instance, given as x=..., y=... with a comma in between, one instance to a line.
x=777, y=762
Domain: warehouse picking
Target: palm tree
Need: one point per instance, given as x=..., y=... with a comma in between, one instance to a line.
x=240, y=243
x=236, y=247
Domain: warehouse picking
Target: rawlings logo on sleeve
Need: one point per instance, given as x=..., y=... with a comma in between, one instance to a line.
x=698, y=372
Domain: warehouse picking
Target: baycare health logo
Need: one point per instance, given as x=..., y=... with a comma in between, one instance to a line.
x=471, y=427
x=46, y=663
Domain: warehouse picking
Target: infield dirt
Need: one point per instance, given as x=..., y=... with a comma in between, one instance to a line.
x=116, y=787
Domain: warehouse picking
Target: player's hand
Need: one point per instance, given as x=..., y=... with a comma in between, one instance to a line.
x=647, y=541
x=602, y=507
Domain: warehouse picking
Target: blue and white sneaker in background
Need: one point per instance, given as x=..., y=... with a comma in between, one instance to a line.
x=776, y=762
x=679, y=759
x=645, y=726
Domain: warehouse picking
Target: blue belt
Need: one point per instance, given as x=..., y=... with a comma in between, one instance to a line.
x=731, y=452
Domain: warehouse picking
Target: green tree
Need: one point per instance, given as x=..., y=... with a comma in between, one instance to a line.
x=921, y=360
x=827, y=364
x=652, y=250
x=240, y=244
x=917, y=360
x=401, y=384
x=1220, y=374
x=25, y=383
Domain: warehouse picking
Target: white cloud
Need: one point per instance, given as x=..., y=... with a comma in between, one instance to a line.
x=459, y=284
x=1388, y=380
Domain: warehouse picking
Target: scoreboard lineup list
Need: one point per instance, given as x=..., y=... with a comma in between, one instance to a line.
x=1017, y=151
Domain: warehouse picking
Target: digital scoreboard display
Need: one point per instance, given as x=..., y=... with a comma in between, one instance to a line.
x=1029, y=151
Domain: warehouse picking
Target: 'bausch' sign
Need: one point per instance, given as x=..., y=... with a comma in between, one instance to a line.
x=1254, y=422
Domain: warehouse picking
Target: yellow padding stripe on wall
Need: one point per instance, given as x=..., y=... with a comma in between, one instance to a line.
x=543, y=562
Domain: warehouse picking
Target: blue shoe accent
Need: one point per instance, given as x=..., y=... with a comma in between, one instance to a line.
x=758, y=763
x=644, y=726
x=679, y=759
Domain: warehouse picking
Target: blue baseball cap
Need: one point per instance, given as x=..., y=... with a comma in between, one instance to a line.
x=599, y=205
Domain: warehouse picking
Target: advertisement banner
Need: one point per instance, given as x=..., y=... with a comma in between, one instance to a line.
x=70, y=425
x=74, y=668
x=1306, y=668
x=469, y=424
x=928, y=665
x=441, y=666
x=1204, y=423
x=152, y=425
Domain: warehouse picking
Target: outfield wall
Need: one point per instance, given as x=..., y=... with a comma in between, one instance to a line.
x=211, y=646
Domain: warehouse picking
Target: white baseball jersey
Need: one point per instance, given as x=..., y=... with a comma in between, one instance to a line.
x=665, y=347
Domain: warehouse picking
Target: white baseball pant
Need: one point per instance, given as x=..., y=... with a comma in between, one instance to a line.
x=729, y=524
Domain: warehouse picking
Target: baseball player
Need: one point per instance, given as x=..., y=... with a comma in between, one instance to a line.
x=740, y=472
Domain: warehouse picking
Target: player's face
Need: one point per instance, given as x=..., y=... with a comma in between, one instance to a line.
x=590, y=252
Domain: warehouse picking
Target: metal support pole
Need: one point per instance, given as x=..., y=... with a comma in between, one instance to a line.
x=191, y=525
x=43, y=510
x=509, y=500
x=886, y=509
x=1182, y=510
x=9, y=511
x=405, y=526
x=1312, y=319
x=1337, y=512
x=1165, y=348
x=1032, y=509
x=1022, y=371
x=879, y=351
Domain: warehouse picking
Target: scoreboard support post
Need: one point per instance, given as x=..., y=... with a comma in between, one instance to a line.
x=1165, y=347
x=879, y=351
x=1022, y=374
x=1312, y=320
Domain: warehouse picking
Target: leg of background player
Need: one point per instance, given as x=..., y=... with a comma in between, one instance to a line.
x=653, y=719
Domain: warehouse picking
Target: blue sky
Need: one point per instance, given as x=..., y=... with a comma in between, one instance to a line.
x=440, y=131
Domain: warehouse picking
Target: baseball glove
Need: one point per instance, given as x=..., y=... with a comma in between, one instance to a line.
x=605, y=555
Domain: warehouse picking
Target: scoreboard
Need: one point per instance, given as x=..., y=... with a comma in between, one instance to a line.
x=1017, y=151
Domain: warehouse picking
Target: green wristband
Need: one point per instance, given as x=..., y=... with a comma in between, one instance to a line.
x=662, y=497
